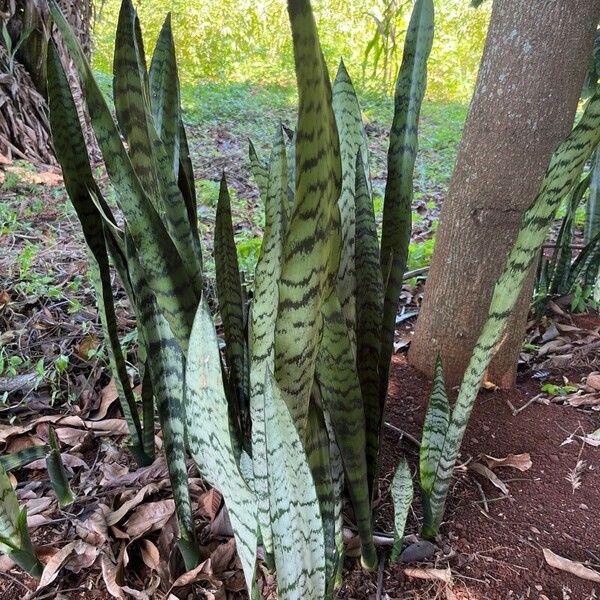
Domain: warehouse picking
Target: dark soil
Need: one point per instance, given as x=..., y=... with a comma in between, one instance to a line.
x=497, y=554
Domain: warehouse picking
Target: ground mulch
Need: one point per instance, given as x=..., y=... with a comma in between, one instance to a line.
x=496, y=554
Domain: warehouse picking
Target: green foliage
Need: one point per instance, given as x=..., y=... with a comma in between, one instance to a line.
x=14, y=535
x=243, y=41
x=291, y=414
x=57, y=473
x=402, y=496
x=561, y=178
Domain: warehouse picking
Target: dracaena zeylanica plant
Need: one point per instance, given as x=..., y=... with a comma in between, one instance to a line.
x=156, y=249
x=444, y=426
x=300, y=400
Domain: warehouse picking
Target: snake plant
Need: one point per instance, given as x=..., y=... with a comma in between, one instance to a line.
x=156, y=251
x=14, y=536
x=444, y=427
x=289, y=416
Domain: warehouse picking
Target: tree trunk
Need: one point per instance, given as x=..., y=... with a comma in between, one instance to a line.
x=531, y=75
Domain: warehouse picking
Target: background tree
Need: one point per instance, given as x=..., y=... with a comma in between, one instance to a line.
x=24, y=131
x=534, y=64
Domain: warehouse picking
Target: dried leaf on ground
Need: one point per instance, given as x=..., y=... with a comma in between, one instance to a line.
x=570, y=566
x=592, y=439
x=574, y=476
x=444, y=575
x=593, y=380
x=149, y=517
x=114, y=517
x=75, y=556
x=203, y=572
x=109, y=574
x=517, y=461
x=108, y=396
x=150, y=554
x=490, y=475
x=584, y=400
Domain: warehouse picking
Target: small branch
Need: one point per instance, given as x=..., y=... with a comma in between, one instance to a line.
x=403, y=434
x=415, y=273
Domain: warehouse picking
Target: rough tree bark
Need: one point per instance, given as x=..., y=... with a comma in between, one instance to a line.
x=531, y=75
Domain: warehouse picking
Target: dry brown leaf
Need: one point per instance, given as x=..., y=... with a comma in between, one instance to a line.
x=222, y=556
x=150, y=554
x=5, y=563
x=203, y=572
x=592, y=439
x=108, y=396
x=488, y=385
x=444, y=575
x=109, y=574
x=35, y=506
x=35, y=521
x=75, y=556
x=570, y=566
x=584, y=400
x=69, y=460
x=490, y=475
x=210, y=502
x=517, y=461
x=130, y=504
x=71, y=436
x=593, y=380
x=149, y=517
x=94, y=530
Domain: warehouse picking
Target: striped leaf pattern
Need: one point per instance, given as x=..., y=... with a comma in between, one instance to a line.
x=20, y=458
x=369, y=310
x=165, y=102
x=352, y=139
x=165, y=363
x=231, y=304
x=402, y=491
x=296, y=519
x=562, y=174
x=311, y=252
x=14, y=535
x=395, y=238
x=259, y=171
x=209, y=438
x=57, y=473
x=341, y=395
x=262, y=322
x=175, y=282
x=72, y=155
x=319, y=453
x=435, y=428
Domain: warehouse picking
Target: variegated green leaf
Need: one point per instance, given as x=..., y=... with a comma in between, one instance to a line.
x=318, y=448
x=165, y=363
x=209, y=438
x=57, y=473
x=561, y=259
x=397, y=207
x=369, y=311
x=262, y=323
x=131, y=99
x=20, y=458
x=562, y=174
x=296, y=517
x=14, y=535
x=342, y=399
x=186, y=181
x=592, y=208
x=229, y=293
x=164, y=93
x=352, y=139
x=259, y=171
x=174, y=281
x=435, y=427
x=70, y=149
x=312, y=245
x=402, y=491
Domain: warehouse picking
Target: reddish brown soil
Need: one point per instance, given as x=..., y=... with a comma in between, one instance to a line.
x=497, y=555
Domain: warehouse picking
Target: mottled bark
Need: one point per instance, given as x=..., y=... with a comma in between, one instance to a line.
x=533, y=67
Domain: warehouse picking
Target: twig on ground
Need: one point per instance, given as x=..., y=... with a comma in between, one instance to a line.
x=482, y=493
x=403, y=434
x=529, y=402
